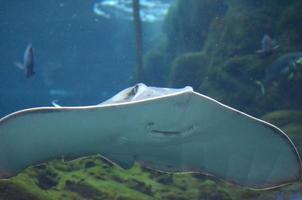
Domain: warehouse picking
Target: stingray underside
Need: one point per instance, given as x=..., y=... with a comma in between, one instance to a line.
x=183, y=132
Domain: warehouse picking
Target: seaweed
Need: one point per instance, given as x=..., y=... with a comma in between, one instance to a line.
x=136, y=183
x=84, y=190
x=47, y=179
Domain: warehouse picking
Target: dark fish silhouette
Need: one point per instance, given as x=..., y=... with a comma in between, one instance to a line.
x=28, y=62
x=268, y=45
x=285, y=66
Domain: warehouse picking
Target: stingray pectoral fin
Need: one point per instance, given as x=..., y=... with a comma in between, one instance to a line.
x=37, y=135
x=237, y=147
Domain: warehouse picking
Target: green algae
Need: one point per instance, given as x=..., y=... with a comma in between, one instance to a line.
x=94, y=178
x=11, y=190
x=284, y=117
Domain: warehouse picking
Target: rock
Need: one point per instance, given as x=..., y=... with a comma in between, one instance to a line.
x=47, y=179
x=83, y=189
x=89, y=164
x=188, y=69
x=166, y=179
x=283, y=117
x=139, y=186
x=10, y=191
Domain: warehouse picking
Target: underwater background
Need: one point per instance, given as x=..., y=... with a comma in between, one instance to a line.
x=85, y=52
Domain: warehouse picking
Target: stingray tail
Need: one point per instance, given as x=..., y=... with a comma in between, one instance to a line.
x=262, y=88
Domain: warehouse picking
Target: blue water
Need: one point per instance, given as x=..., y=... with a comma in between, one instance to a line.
x=80, y=58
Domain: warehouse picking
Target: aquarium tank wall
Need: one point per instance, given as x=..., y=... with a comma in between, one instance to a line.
x=151, y=99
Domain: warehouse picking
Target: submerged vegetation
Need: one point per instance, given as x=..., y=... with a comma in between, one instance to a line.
x=96, y=178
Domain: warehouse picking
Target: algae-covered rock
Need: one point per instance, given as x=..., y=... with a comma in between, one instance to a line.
x=188, y=23
x=290, y=121
x=290, y=28
x=284, y=117
x=47, y=179
x=166, y=179
x=185, y=30
x=188, y=69
x=155, y=69
x=139, y=186
x=84, y=190
x=11, y=191
x=234, y=83
x=227, y=39
x=101, y=181
x=246, y=67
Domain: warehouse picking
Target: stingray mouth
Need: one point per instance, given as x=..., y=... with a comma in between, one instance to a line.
x=163, y=132
x=158, y=131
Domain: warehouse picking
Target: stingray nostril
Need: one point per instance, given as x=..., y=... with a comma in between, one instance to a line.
x=150, y=124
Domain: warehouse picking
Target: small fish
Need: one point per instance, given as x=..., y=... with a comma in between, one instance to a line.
x=285, y=66
x=28, y=62
x=268, y=45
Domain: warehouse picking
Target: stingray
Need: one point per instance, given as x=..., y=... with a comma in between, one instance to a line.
x=169, y=130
